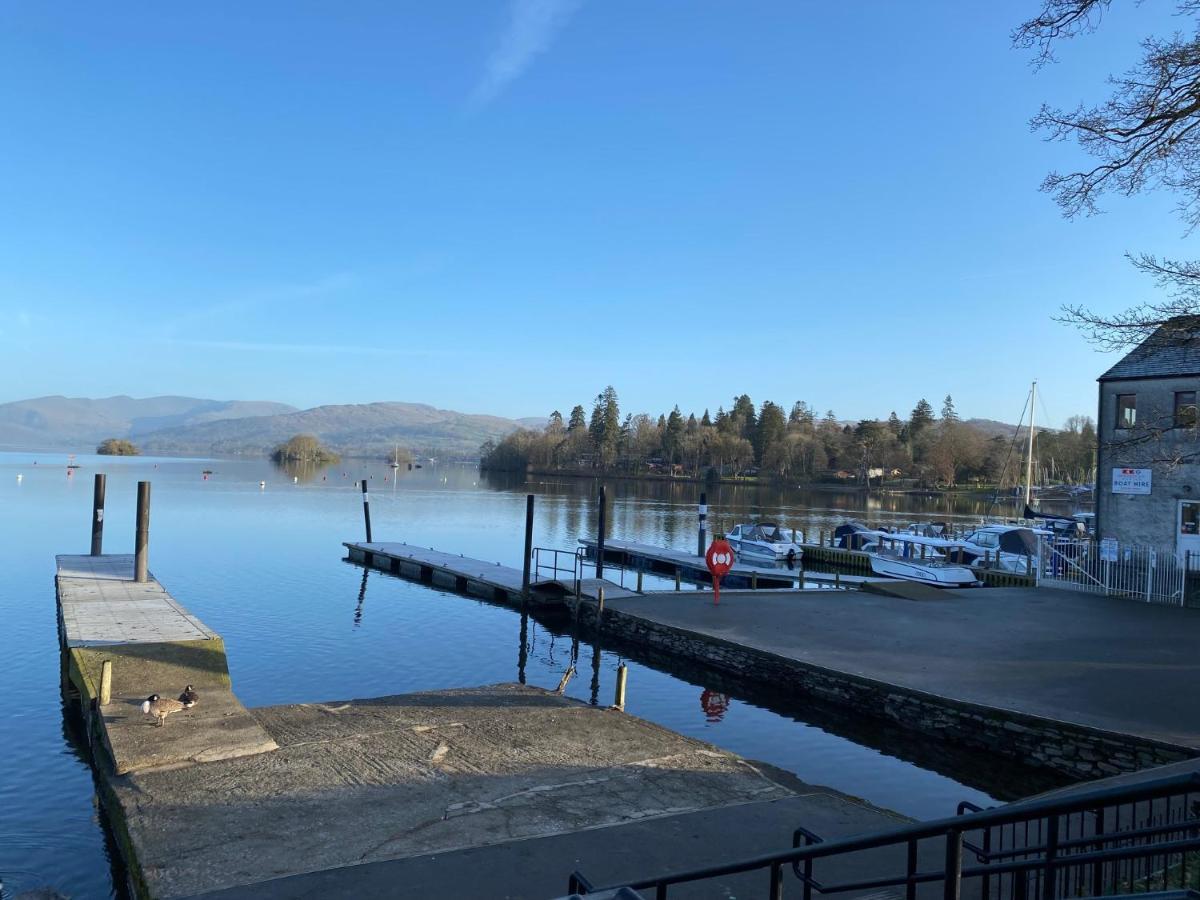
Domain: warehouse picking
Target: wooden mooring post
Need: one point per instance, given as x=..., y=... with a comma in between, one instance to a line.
x=141, y=541
x=528, y=544
x=619, y=697
x=98, y=514
x=600, y=535
x=366, y=509
x=106, y=682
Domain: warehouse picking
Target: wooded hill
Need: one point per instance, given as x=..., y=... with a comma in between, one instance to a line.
x=930, y=448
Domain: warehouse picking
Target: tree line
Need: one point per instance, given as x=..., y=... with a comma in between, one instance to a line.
x=787, y=444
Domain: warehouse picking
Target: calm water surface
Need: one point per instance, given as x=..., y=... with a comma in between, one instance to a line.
x=264, y=567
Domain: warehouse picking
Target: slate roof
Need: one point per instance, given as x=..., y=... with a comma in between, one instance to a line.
x=1173, y=349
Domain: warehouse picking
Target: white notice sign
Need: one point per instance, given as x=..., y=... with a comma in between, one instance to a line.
x=1131, y=481
x=1108, y=550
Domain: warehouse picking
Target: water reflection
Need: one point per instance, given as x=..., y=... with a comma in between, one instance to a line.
x=303, y=471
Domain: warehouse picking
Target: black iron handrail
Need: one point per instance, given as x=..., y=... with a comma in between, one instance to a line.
x=1047, y=861
x=574, y=571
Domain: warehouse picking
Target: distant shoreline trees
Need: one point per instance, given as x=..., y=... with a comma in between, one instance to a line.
x=117, y=447
x=304, y=448
x=797, y=446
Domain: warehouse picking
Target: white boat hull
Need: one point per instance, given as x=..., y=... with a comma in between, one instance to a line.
x=776, y=552
x=937, y=574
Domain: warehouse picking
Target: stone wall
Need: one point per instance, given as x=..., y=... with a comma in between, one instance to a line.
x=1073, y=750
x=1141, y=519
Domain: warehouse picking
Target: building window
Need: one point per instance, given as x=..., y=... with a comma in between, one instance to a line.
x=1127, y=410
x=1185, y=409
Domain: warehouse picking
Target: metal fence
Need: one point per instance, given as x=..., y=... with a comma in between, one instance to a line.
x=1119, y=839
x=1150, y=574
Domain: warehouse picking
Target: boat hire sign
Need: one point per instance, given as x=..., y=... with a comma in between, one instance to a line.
x=1130, y=481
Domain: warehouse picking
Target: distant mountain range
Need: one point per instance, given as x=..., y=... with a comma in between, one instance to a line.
x=192, y=426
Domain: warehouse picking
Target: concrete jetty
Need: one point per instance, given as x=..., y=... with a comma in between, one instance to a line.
x=476, y=793
x=154, y=646
x=1085, y=685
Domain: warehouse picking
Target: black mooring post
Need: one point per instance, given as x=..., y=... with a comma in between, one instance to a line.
x=141, y=541
x=366, y=509
x=703, y=517
x=528, y=543
x=98, y=515
x=600, y=537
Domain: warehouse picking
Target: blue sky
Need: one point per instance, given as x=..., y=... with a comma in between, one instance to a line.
x=503, y=207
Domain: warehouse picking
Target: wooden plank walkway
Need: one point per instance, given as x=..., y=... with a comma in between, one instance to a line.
x=155, y=646
x=468, y=575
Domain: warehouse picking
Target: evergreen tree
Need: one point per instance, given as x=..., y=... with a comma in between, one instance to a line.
x=692, y=425
x=948, y=412
x=895, y=424
x=742, y=419
x=921, y=417
x=772, y=427
x=555, y=425
x=577, y=420
x=706, y=421
x=801, y=415
x=673, y=435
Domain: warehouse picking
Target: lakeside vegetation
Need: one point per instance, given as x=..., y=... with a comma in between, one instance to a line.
x=117, y=447
x=929, y=450
x=304, y=448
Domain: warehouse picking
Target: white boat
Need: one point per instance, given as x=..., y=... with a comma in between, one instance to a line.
x=765, y=541
x=915, y=558
x=1009, y=548
x=909, y=557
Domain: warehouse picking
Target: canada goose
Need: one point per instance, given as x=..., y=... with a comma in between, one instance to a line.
x=189, y=697
x=159, y=708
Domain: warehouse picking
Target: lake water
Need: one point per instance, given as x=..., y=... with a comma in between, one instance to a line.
x=265, y=568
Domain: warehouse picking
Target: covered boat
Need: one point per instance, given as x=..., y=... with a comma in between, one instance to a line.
x=765, y=541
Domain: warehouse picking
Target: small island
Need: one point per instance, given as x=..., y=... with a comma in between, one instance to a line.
x=304, y=448
x=117, y=447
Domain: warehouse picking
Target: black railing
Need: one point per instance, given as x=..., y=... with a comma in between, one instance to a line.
x=1120, y=839
x=558, y=565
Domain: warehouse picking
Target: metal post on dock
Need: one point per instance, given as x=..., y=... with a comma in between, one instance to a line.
x=528, y=543
x=703, y=517
x=600, y=536
x=639, y=581
x=366, y=509
x=106, y=682
x=141, y=541
x=98, y=514
x=619, y=698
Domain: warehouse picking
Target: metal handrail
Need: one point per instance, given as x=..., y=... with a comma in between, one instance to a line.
x=953, y=830
x=575, y=571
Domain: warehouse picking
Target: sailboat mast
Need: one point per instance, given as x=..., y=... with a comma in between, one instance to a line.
x=1029, y=455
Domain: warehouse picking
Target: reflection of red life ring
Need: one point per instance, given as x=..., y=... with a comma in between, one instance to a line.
x=714, y=705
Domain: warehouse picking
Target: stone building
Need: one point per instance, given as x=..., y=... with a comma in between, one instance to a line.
x=1148, y=468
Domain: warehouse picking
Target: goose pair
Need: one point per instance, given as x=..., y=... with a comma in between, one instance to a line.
x=156, y=706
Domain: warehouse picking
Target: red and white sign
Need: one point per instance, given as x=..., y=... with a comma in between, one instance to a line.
x=1131, y=481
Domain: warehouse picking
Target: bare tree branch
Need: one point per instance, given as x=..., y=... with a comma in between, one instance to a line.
x=1059, y=19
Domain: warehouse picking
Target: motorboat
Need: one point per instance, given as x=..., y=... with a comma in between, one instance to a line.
x=1009, y=548
x=908, y=557
x=765, y=541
